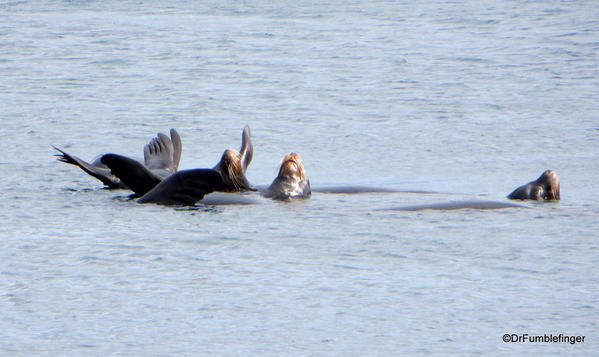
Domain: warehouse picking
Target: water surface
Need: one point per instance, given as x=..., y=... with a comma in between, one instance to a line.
x=467, y=100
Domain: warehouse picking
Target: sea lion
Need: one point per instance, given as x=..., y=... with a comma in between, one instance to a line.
x=292, y=180
x=184, y=187
x=161, y=156
x=546, y=187
x=291, y=183
x=188, y=187
x=233, y=164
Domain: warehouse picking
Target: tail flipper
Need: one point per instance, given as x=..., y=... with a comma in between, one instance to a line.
x=100, y=173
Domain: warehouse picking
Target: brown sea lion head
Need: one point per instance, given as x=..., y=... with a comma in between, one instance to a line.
x=293, y=166
x=291, y=182
x=232, y=171
x=550, y=182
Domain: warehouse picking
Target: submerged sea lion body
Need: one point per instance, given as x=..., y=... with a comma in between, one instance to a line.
x=354, y=189
x=546, y=187
x=455, y=205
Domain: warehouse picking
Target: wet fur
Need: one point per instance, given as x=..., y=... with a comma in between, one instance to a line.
x=546, y=187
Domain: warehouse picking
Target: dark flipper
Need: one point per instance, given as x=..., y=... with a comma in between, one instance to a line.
x=184, y=187
x=132, y=173
x=100, y=173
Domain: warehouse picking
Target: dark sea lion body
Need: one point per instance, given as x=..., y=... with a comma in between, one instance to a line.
x=546, y=187
x=185, y=187
x=132, y=173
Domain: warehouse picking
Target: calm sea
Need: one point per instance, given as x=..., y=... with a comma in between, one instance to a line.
x=466, y=99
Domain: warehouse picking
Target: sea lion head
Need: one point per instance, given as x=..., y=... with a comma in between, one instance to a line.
x=545, y=188
x=292, y=180
x=232, y=170
x=292, y=166
x=233, y=164
x=550, y=185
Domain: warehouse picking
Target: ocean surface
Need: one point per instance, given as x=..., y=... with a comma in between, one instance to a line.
x=467, y=100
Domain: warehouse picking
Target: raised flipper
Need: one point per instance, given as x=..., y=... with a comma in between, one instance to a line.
x=100, y=173
x=158, y=156
x=246, y=152
x=132, y=173
x=178, y=148
x=184, y=187
x=162, y=154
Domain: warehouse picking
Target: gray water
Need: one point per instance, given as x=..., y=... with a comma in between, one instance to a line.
x=467, y=99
